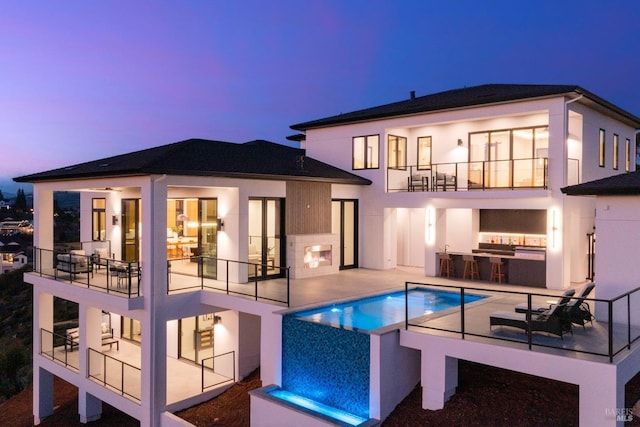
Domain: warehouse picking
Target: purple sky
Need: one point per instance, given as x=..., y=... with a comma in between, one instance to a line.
x=81, y=80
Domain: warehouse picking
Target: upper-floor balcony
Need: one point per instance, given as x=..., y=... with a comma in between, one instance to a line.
x=513, y=174
x=188, y=274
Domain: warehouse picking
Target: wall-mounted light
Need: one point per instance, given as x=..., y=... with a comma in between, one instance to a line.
x=217, y=320
x=554, y=229
x=220, y=224
x=430, y=231
x=460, y=142
x=114, y=220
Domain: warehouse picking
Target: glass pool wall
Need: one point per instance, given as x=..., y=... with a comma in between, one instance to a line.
x=326, y=364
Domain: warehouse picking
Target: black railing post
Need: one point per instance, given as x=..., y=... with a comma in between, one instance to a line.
x=406, y=306
x=462, y=312
x=610, y=304
x=528, y=317
x=629, y=321
x=288, y=288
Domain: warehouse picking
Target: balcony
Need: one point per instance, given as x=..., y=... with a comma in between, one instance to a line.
x=107, y=275
x=613, y=331
x=223, y=275
x=531, y=173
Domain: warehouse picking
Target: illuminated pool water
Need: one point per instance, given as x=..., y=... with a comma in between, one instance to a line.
x=317, y=407
x=371, y=313
x=326, y=351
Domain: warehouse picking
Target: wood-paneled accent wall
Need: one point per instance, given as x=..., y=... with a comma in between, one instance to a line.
x=308, y=207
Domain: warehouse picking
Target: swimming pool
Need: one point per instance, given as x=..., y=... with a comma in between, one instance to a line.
x=375, y=312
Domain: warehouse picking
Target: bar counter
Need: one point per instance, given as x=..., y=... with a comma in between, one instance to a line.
x=519, y=269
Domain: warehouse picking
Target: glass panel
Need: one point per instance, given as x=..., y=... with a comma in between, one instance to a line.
x=373, y=143
x=188, y=338
x=541, y=154
x=397, y=152
x=424, y=152
x=99, y=218
x=131, y=329
x=208, y=241
x=499, y=170
x=601, y=147
x=273, y=236
x=130, y=230
x=478, y=154
x=349, y=234
x=358, y=152
x=255, y=236
x=615, y=151
x=523, y=151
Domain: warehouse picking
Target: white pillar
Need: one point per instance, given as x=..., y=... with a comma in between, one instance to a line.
x=89, y=407
x=271, y=349
x=42, y=394
x=439, y=379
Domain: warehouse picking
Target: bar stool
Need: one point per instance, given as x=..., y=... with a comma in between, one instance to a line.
x=446, y=266
x=497, y=272
x=470, y=267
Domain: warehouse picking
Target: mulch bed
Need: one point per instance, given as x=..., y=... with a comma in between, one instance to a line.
x=485, y=396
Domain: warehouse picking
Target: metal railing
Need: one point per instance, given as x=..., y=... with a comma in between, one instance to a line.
x=50, y=341
x=621, y=327
x=114, y=374
x=118, y=277
x=469, y=176
x=231, y=277
x=218, y=370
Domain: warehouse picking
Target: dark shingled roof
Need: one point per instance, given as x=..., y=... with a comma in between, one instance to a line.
x=618, y=185
x=198, y=157
x=466, y=97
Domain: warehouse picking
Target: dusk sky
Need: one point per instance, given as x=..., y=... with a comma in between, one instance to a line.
x=81, y=80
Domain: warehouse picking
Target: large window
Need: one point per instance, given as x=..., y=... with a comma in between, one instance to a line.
x=615, y=151
x=508, y=158
x=366, y=152
x=397, y=146
x=424, y=152
x=602, y=147
x=98, y=219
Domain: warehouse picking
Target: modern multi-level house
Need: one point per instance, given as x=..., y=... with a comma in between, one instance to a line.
x=188, y=250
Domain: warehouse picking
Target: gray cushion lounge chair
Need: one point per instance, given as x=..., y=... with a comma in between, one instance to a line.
x=553, y=320
x=578, y=310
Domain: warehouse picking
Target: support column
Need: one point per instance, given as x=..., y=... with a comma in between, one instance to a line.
x=601, y=401
x=439, y=379
x=89, y=407
x=42, y=379
x=271, y=349
x=42, y=394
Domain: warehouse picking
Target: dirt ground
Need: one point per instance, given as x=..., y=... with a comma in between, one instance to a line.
x=485, y=396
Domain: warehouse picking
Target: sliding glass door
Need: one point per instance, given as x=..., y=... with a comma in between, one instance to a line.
x=266, y=249
x=344, y=222
x=208, y=238
x=130, y=230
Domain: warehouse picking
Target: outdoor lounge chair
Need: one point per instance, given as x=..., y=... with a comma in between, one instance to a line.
x=553, y=320
x=578, y=310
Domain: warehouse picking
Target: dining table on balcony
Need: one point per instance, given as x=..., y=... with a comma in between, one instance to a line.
x=180, y=247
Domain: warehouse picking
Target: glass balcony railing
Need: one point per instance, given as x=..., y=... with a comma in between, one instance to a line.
x=218, y=370
x=105, y=274
x=228, y=276
x=469, y=176
x=114, y=374
x=59, y=348
x=537, y=321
